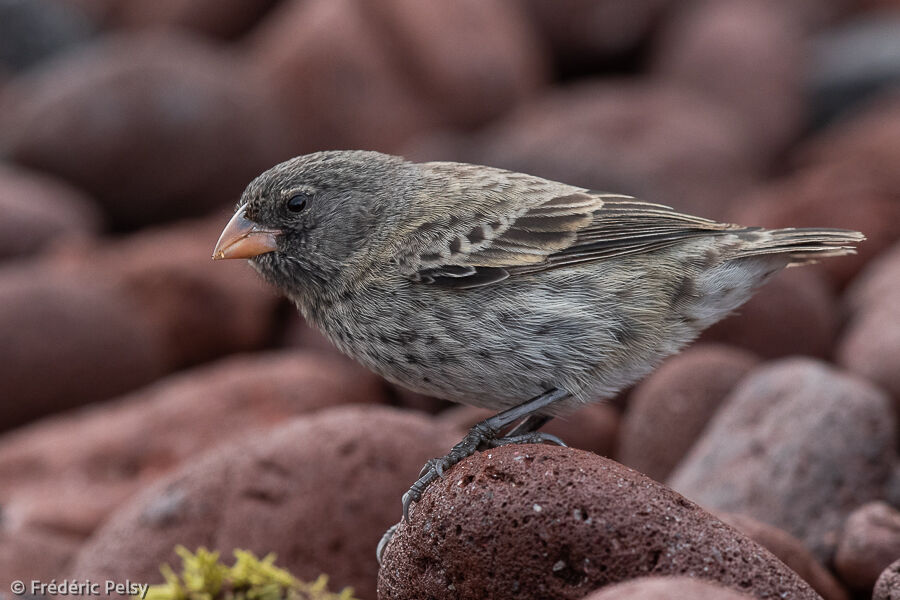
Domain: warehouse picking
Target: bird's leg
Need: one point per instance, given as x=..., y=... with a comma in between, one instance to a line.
x=530, y=424
x=526, y=432
x=484, y=435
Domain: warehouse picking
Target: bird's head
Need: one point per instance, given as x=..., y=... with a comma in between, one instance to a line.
x=303, y=221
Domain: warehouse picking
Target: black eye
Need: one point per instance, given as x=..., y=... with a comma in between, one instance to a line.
x=297, y=202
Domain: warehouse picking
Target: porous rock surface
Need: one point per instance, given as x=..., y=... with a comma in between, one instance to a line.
x=318, y=491
x=666, y=588
x=888, y=585
x=790, y=551
x=799, y=445
x=539, y=521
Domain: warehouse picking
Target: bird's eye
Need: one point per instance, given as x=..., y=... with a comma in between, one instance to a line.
x=297, y=202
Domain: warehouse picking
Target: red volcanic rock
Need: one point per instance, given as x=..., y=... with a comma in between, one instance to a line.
x=816, y=14
x=649, y=140
x=795, y=312
x=747, y=56
x=666, y=588
x=201, y=309
x=867, y=142
x=843, y=196
x=878, y=284
x=417, y=63
x=668, y=410
x=30, y=555
x=888, y=585
x=540, y=521
x=39, y=210
x=154, y=127
x=790, y=551
x=318, y=492
x=331, y=74
x=67, y=342
x=870, y=346
x=868, y=545
x=798, y=445
x=220, y=18
x=470, y=60
x=68, y=473
x=594, y=428
x=583, y=33
x=876, y=4
x=892, y=487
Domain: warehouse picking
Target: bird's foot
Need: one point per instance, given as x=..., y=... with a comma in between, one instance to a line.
x=480, y=436
x=383, y=542
x=533, y=437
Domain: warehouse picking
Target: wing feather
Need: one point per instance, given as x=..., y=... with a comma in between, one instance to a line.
x=538, y=225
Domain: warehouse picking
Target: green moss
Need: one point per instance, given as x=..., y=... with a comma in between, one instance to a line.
x=204, y=577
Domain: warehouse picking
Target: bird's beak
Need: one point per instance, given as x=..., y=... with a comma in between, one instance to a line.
x=242, y=238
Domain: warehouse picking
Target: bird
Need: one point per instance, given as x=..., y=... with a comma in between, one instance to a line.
x=495, y=288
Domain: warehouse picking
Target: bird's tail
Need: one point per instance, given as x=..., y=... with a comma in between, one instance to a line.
x=801, y=245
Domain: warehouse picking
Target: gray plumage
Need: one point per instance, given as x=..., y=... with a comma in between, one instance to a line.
x=488, y=287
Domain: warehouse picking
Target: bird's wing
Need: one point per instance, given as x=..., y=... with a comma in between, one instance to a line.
x=543, y=227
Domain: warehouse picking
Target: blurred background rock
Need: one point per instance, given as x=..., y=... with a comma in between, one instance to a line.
x=130, y=364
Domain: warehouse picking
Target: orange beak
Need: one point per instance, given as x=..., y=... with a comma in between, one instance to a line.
x=242, y=238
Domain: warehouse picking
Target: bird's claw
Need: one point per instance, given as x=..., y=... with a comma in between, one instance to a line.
x=414, y=493
x=478, y=438
x=482, y=436
x=438, y=464
x=384, y=541
x=534, y=437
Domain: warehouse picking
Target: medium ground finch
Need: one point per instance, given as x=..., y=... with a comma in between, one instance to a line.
x=494, y=288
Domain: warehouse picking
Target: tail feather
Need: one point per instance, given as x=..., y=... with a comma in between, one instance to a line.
x=802, y=245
